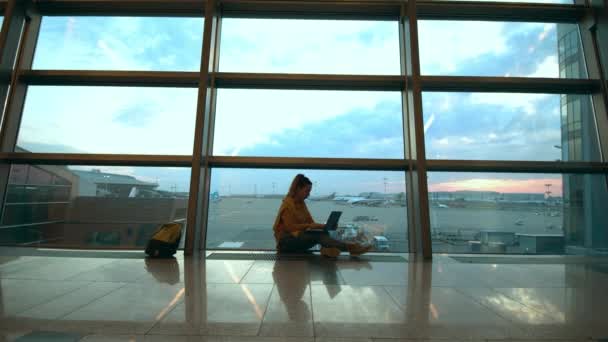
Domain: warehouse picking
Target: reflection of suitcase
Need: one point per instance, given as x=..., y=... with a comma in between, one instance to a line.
x=164, y=271
x=165, y=240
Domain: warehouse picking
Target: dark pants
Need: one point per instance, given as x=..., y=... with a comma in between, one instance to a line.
x=306, y=240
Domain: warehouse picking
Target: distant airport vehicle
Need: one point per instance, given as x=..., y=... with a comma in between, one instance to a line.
x=215, y=196
x=348, y=232
x=381, y=243
x=519, y=222
x=362, y=218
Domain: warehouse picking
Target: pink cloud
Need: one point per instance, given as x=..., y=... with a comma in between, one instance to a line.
x=502, y=185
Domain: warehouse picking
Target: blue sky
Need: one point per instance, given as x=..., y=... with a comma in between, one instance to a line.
x=292, y=123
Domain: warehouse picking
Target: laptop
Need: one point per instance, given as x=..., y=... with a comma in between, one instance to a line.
x=332, y=221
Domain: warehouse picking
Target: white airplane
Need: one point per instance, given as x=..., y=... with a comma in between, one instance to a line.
x=360, y=200
x=330, y=197
x=348, y=199
x=442, y=205
x=353, y=199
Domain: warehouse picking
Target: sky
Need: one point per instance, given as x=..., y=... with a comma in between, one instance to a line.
x=356, y=124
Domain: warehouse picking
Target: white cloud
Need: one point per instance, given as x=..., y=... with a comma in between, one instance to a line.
x=548, y=28
x=549, y=67
x=310, y=46
x=447, y=46
x=90, y=122
x=116, y=43
x=444, y=45
x=525, y=102
x=248, y=117
x=364, y=147
x=466, y=140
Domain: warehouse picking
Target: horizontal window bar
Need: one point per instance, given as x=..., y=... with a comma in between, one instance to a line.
x=309, y=163
x=463, y=10
x=111, y=78
x=516, y=166
x=30, y=224
x=307, y=81
x=33, y=203
x=94, y=159
x=380, y=10
x=40, y=185
x=509, y=84
x=191, y=8
x=383, y=10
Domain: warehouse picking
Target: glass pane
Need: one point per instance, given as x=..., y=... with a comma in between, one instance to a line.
x=310, y=46
x=518, y=213
x=476, y=48
x=119, y=43
x=88, y=206
x=297, y=123
x=108, y=120
x=497, y=126
x=244, y=205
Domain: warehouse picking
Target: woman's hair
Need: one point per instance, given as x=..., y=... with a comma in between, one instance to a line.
x=299, y=181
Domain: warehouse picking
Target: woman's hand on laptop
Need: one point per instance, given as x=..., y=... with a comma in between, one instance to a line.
x=317, y=226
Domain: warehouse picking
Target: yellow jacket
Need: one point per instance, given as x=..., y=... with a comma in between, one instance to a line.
x=292, y=218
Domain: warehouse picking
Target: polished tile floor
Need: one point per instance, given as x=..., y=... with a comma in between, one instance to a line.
x=77, y=297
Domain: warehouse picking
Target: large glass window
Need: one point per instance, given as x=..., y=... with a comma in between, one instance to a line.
x=517, y=213
x=119, y=43
x=310, y=46
x=510, y=127
x=297, y=123
x=87, y=206
x=244, y=205
x=108, y=120
x=476, y=48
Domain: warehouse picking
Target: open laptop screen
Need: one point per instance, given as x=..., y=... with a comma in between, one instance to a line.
x=332, y=220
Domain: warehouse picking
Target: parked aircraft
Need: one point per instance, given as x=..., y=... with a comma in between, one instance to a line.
x=323, y=198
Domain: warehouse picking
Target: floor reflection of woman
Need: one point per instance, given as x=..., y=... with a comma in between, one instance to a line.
x=295, y=231
x=291, y=287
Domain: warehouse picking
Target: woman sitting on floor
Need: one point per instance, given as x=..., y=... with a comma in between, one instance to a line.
x=296, y=232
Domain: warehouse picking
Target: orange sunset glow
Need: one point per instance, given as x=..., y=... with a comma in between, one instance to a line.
x=501, y=185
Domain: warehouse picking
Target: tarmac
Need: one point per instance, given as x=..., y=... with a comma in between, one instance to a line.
x=246, y=222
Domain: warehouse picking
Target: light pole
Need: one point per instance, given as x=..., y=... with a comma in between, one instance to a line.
x=106, y=185
x=559, y=147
